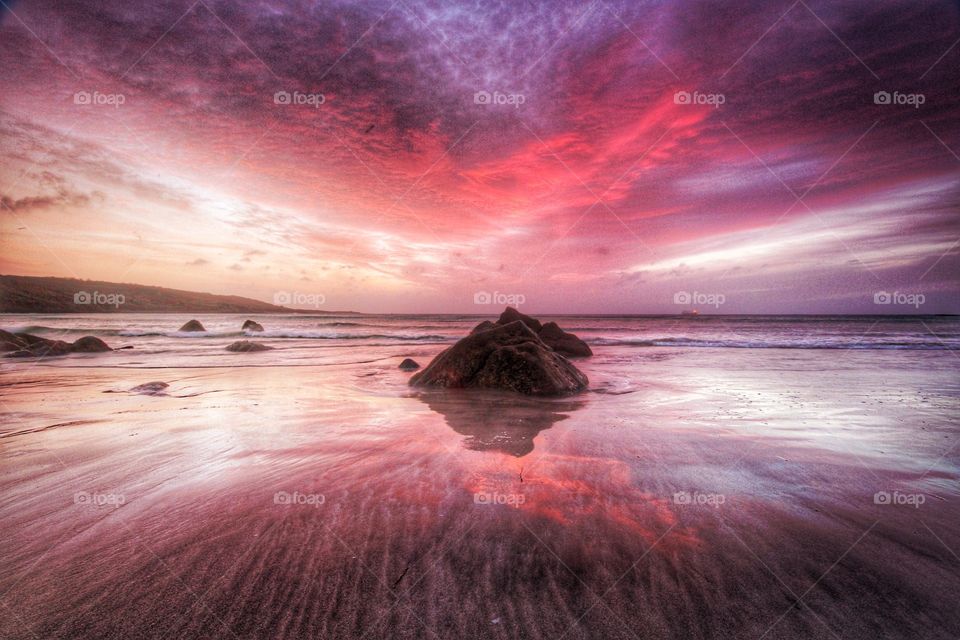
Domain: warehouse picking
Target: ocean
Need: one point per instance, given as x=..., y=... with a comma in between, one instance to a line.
x=722, y=477
x=308, y=339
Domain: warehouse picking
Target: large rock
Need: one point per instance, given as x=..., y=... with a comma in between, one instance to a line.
x=193, y=325
x=563, y=342
x=509, y=357
x=484, y=326
x=512, y=315
x=25, y=345
x=250, y=325
x=556, y=338
x=245, y=346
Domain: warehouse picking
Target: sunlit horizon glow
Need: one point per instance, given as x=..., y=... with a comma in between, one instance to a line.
x=400, y=193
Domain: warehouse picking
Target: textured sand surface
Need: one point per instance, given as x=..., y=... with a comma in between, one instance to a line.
x=447, y=515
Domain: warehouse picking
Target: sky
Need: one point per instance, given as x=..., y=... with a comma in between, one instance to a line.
x=424, y=156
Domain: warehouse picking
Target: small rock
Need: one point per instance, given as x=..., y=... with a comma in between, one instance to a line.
x=150, y=388
x=250, y=325
x=193, y=325
x=409, y=364
x=90, y=344
x=246, y=346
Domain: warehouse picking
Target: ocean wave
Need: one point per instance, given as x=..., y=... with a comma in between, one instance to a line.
x=303, y=334
x=772, y=344
x=348, y=324
x=146, y=333
x=39, y=328
x=594, y=329
x=388, y=326
x=336, y=335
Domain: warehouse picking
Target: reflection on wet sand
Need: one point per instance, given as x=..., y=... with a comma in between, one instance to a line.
x=493, y=421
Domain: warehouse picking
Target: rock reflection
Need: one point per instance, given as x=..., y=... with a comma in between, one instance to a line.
x=493, y=421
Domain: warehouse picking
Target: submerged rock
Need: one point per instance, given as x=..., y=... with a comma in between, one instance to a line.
x=510, y=357
x=245, y=346
x=27, y=340
x=250, y=325
x=9, y=342
x=25, y=345
x=193, y=325
x=20, y=353
x=409, y=364
x=42, y=349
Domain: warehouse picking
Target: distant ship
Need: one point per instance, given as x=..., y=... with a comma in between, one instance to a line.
x=690, y=312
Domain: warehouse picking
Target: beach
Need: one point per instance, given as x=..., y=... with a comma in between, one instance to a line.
x=725, y=477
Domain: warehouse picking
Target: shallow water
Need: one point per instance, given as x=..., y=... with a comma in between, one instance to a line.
x=693, y=491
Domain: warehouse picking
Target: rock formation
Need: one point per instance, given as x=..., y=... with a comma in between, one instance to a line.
x=25, y=345
x=510, y=357
x=552, y=335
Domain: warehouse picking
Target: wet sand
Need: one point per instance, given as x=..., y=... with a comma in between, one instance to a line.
x=703, y=493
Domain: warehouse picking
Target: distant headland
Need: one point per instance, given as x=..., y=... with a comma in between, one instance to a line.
x=29, y=294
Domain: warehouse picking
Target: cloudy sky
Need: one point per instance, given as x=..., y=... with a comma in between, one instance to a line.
x=403, y=155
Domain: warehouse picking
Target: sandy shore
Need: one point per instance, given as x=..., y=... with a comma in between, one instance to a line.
x=706, y=494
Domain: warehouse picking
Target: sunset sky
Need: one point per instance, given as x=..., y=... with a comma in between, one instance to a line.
x=145, y=142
